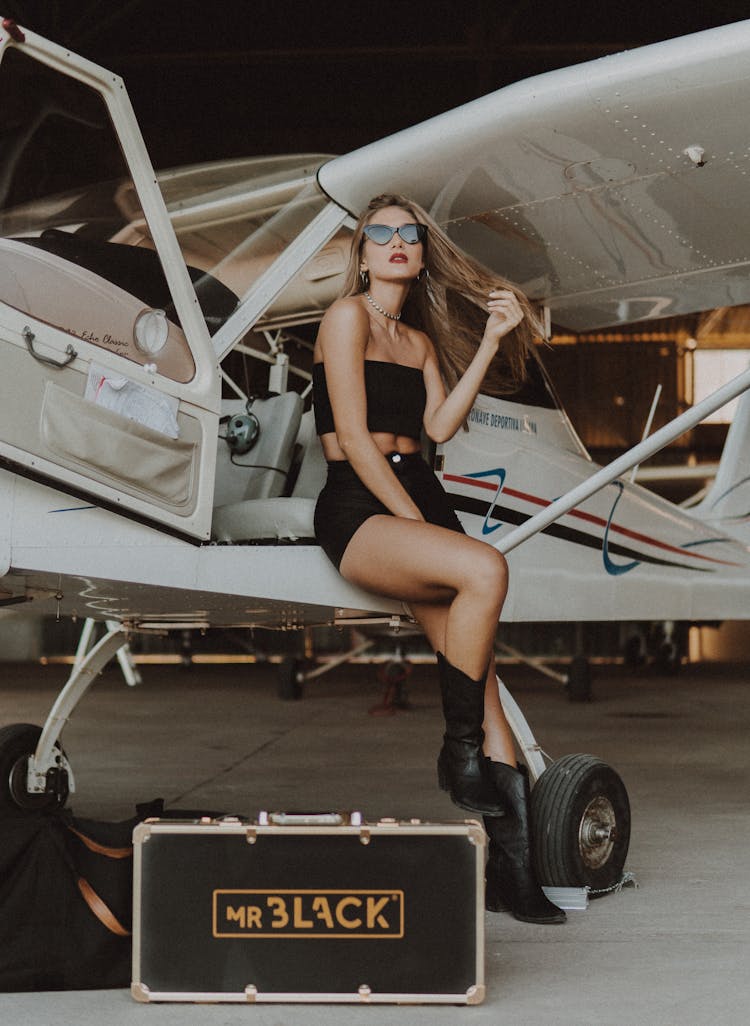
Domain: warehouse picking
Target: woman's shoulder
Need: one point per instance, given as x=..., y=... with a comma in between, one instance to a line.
x=422, y=345
x=347, y=311
x=344, y=328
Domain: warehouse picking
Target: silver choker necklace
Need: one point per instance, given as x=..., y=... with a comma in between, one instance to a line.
x=379, y=308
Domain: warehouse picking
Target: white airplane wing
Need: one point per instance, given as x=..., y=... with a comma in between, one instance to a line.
x=612, y=191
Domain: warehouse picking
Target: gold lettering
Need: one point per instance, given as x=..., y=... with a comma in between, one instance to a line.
x=374, y=910
x=349, y=924
x=322, y=910
x=299, y=922
x=254, y=917
x=280, y=914
x=308, y=913
x=236, y=915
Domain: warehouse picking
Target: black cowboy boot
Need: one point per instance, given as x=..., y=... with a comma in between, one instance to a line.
x=511, y=881
x=461, y=765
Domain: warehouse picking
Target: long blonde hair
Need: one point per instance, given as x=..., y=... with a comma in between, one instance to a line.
x=449, y=303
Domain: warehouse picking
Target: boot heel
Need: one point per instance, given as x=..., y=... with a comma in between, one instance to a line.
x=511, y=881
x=494, y=896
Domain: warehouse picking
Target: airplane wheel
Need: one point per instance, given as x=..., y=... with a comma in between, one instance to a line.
x=633, y=654
x=17, y=743
x=668, y=658
x=580, y=817
x=394, y=675
x=290, y=679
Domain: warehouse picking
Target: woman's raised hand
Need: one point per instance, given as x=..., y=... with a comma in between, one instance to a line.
x=505, y=312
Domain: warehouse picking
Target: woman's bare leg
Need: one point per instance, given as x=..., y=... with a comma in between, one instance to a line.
x=499, y=744
x=422, y=563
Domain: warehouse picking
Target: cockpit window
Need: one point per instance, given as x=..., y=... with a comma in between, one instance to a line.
x=64, y=204
x=76, y=250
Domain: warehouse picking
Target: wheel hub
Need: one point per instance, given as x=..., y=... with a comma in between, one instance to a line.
x=597, y=832
x=55, y=794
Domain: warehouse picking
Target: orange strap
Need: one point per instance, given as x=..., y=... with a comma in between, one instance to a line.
x=100, y=849
x=102, y=912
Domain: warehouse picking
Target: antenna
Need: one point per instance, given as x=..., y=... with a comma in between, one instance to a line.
x=647, y=428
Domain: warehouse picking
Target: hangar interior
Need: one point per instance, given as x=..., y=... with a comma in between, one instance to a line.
x=665, y=953
x=606, y=380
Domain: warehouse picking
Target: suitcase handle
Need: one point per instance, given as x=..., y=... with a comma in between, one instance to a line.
x=309, y=818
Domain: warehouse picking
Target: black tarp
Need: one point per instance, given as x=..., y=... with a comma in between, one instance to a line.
x=50, y=939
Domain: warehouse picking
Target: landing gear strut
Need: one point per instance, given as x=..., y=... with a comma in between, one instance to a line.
x=34, y=771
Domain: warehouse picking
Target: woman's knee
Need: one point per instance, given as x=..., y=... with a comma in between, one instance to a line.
x=489, y=573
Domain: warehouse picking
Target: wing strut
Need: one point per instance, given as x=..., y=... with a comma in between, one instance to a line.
x=634, y=456
x=276, y=277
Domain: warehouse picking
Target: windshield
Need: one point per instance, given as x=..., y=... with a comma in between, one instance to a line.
x=77, y=252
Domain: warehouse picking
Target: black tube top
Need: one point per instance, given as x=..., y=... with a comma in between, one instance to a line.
x=396, y=399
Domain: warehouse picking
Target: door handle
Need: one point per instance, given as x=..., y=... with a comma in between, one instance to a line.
x=29, y=337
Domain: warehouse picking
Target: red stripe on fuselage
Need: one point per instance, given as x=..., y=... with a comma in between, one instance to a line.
x=589, y=517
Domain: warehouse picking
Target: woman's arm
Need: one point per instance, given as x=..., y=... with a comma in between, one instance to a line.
x=445, y=414
x=342, y=339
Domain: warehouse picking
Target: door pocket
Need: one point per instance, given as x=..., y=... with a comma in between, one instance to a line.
x=118, y=451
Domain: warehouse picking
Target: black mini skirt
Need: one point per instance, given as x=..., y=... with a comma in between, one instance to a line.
x=345, y=503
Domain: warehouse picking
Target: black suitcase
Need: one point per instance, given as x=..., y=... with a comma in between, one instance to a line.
x=324, y=908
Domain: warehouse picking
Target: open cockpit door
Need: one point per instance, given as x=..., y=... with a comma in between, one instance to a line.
x=109, y=381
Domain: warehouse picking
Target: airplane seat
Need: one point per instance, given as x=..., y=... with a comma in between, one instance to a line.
x=249, y=501
x=312, y=471
x=261, y=472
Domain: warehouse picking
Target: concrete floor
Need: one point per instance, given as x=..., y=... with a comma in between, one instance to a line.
x=673, y=952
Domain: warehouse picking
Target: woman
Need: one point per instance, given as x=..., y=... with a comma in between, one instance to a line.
x=413, y=309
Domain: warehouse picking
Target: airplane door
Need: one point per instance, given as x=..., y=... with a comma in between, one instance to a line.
x=107, y=390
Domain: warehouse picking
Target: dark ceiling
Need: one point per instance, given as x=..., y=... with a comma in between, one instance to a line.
x=248, y=77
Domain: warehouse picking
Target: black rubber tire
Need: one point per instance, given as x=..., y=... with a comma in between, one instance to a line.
x=579, y=680
x=668, y=659
x=290, y=685
x=393, y=675
x=633, y=653
x=394, y=672
x=574, y=797
x=17, y=743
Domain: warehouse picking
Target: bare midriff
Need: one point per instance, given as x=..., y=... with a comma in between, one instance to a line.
x=385, y=442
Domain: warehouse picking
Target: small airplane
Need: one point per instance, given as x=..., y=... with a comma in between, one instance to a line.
x=132, y=493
